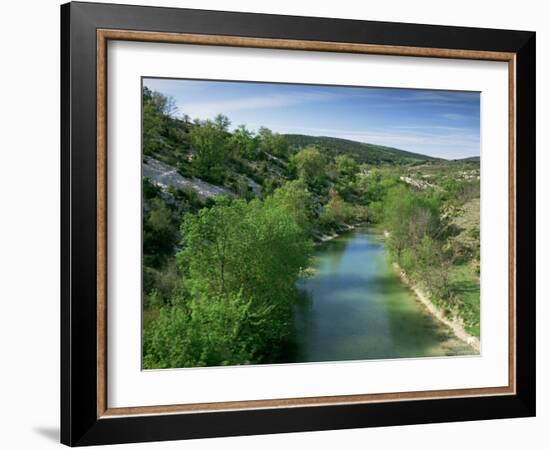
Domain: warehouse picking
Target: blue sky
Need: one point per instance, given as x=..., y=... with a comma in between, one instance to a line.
x=437, y=123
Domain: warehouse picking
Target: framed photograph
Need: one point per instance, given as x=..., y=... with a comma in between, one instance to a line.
x=283, y=224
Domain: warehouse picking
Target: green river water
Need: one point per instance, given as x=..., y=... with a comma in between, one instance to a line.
x=355, y=307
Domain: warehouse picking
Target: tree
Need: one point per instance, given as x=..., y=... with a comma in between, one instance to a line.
x=161, y=104
x=164, y=135
x=345, y=175
x=310, y=165
x=226, y=248
x=295, y=198
x=272, y=143
x=255, y=249
x=243, y=143
x=208, y=141
x=346, y=167
x=222, y=122
x=336, y=211
x=408, y=216
x=434, y=266
x=159, y=233
x=155, y=107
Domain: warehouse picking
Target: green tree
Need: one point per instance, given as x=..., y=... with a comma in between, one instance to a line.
x=433, y=265
x=347, y=168
x=255, y=249
x=336, y=211
x=226, y=247
x=298, y=201
x=159, y=232
x=156, y=108
x=222, y=122
x=272, y=143
x=243, y=143
x=208, y=141
x=408, y=217
x=164, y=135
x=345, y=176
x=310, y=165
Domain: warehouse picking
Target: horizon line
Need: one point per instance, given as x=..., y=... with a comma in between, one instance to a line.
x=383, y=146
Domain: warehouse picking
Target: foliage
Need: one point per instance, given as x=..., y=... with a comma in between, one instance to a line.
x=225, y=248
x=159, y=232
x=207, y=331
x=426, y=247
x=335, y=212
x=243, y=143
x=295, y=198
x=272, y=143
x=409, y=216
x=239, y=264
x=310, y=165
x=222, y=122
x=346, y=167
x=164, y=135
x=208, y=141
x=161, y=285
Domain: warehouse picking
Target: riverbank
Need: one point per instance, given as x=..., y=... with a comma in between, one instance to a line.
x=323, y=238
x=354, y=307
x=455, y=325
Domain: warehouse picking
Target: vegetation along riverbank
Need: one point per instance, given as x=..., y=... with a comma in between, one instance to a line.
x=231, y=218
x=454, y=323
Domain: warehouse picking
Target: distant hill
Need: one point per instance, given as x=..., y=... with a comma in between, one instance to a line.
x=469, y=159
x=362, y=152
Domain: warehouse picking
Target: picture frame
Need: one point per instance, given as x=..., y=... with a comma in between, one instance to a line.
x=86, y=418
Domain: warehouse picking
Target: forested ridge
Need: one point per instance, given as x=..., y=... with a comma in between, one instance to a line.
x=362, y=152
x=220, y=271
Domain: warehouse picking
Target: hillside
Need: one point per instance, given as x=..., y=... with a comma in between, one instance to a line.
x=362, y=152
x=469, y=159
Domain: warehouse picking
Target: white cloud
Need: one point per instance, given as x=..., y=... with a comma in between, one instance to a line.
x=210, y=109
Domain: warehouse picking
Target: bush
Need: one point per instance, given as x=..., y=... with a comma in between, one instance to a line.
x=207, y=332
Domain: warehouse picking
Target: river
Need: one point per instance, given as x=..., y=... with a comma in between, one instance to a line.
x=355, y=307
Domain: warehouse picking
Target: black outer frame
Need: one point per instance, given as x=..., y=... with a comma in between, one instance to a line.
x=79, y=423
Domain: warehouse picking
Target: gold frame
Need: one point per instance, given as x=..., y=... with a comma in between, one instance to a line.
x=104, y=35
